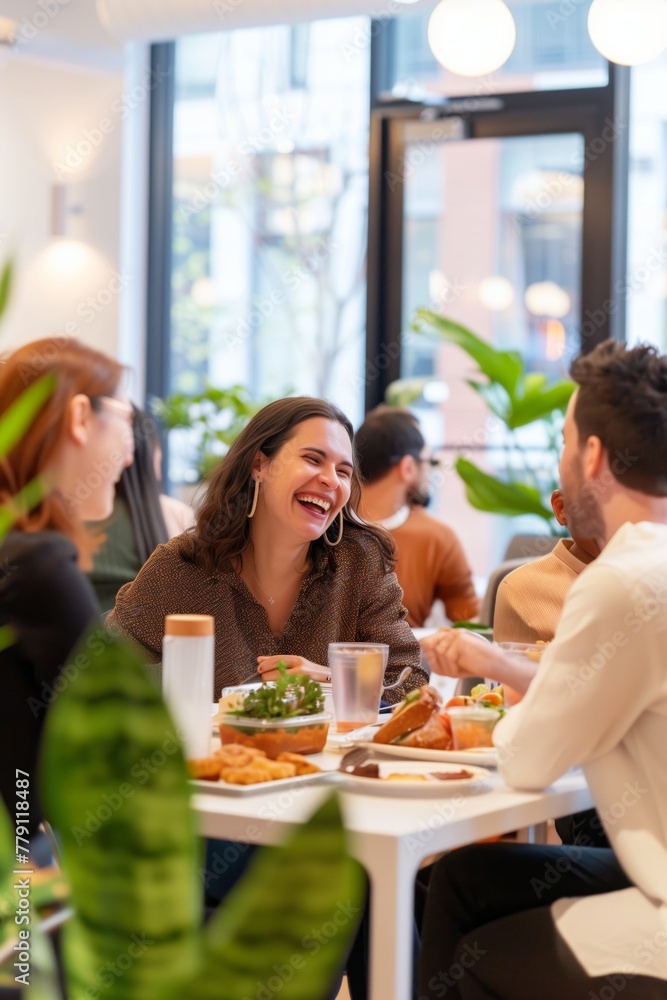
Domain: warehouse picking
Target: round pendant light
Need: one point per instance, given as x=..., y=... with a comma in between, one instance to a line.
x=628, y=32
x=471, y=37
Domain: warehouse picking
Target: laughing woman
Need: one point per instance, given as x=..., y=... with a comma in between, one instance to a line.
x=278, y=557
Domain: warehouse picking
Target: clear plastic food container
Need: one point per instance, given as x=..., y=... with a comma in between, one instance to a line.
x=472, y=726
x=302, y=734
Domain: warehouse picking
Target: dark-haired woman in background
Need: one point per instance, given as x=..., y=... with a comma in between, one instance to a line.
x=78, y=443
x=142, y=517
x=279, y=557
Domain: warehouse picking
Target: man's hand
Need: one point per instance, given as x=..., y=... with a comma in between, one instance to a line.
x=456, y=653
x=295, y=665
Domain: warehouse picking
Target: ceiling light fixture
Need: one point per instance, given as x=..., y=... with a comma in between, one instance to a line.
x=629, y=32
x=471, y=37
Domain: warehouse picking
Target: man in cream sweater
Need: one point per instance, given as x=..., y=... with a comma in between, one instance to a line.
x=573, y=923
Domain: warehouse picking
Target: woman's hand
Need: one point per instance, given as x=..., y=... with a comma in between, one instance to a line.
x=295, y=665
x=456, y=653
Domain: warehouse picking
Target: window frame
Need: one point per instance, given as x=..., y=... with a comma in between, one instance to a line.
x=586, y=111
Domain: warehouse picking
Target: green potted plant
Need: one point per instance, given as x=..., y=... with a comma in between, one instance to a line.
x=517, y=398
x=132, y=860
x=214, y=416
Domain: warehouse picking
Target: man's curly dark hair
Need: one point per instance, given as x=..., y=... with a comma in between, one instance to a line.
x=622, y=399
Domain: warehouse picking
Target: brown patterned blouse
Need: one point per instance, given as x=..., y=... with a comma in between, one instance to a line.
x=357, y=602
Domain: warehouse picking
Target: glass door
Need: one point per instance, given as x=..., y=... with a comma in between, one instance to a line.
x=492, y=239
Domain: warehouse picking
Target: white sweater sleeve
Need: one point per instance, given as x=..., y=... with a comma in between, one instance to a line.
x=585, y=695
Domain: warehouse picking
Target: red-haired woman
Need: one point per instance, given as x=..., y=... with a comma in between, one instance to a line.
x=78, y=445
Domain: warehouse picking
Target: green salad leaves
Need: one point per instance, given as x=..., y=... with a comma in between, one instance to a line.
x=289, y=696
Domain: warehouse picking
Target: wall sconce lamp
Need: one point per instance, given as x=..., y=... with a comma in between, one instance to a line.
x=66, y=209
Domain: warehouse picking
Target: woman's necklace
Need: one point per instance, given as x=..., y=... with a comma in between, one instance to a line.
x=270, y=599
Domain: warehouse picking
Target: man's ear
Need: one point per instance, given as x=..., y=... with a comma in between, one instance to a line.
x=593, y=458
x=558, y=507
x=79, y=415
x=407, y=469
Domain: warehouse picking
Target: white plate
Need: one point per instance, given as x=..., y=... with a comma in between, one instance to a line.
x=224, y=788
x=434, y=787
x=484, y=756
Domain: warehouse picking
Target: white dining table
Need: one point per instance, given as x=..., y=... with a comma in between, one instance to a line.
x=391, y=836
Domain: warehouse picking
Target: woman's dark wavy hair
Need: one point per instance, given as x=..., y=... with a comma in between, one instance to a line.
x=222, y=530
x=622, y=400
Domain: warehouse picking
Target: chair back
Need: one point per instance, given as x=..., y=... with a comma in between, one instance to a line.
x=496, y=578
x=529, y=546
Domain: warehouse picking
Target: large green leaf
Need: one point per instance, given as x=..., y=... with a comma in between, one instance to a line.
x=114, y=785
x=539, y=402
x=503, y=367
x=485, y=492
x=495, y=398
x=6, y=282
x=16, y=420
x=28, y=498
x=286, y=928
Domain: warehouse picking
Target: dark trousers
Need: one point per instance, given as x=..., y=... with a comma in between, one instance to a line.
x=488, y=933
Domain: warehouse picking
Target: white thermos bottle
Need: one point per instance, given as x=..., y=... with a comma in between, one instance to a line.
x=187, y=678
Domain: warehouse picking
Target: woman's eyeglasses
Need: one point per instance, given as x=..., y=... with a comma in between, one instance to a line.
x=123, y=409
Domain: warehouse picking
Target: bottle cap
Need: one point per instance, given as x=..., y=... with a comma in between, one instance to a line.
x=193, y=625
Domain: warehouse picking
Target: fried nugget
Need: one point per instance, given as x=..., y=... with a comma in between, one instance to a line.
x=278, y=769
x=248, y=775
x=205, y=768
x=237, y=755
x=302, y=764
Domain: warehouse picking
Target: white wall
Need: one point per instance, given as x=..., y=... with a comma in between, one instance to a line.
x=52, y=122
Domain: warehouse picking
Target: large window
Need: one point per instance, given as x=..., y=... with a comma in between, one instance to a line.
x=505, y=221
x=270, y=215
x=646, y=279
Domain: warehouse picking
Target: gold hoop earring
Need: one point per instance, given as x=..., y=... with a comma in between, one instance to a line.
x=254, y=499
x=340, y=533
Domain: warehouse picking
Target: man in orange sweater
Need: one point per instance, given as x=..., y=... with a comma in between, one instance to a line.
x=394, y=463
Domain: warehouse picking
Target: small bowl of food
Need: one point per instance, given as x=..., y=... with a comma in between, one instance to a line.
x=303, y=734
x=472, y=726
x=283, y=716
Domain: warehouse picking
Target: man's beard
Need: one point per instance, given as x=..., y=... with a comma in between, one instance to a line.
x=584, y=516
x=418, y=496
